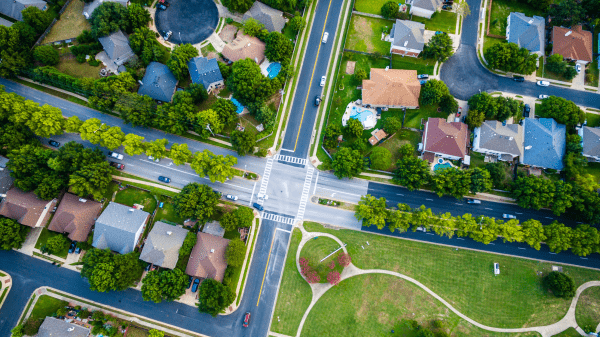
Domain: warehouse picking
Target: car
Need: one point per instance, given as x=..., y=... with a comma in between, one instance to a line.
x=543, y=83
x=53, y=143
x=258, y=206
x=527, y=109
x=72, y=248
x=77, y=250
x=164, y=179
x=231, y=197
x=438, y=33
x=168, y=34
x=246, y=320
x=543, y=96
x=195, y=285
x=459, y=111
x=519, y=79
x=422, y=82
x=317, y=100
x=422, y=229
x=156, y=160
x=578, y=68
x=323, y=81
x=508, y=216
x=473, y=201
x=526, y=115
x=163, y=7
x=148, y=267
x=423, y=76
x=117, y=165
x=496, y=268
x=190, y=282
x=325, y=36
x=447, y=7
x=115, y=155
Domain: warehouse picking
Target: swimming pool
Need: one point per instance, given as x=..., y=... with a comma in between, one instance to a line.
x=273, y=69
x=238, y=105
x=438, y=167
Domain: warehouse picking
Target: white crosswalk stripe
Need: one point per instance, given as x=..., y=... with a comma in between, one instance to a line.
x=277, y=218
x=290, y=159
x=265, y=180
x=305, y=193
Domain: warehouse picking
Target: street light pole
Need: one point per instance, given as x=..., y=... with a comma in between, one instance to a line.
x=209, y=129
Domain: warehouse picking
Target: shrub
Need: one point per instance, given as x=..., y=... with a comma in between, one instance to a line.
x=32, y=326
x=334, y=277
x=47, y=55
x=390, y=9
x=561, y=285
x=344, y=259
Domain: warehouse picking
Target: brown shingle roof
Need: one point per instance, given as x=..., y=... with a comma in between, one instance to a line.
x=446, y=138
x=24, y=207
x=245, y=46
x=204, y=263
x=575, y=46
x=392, y=87
x=75, y=217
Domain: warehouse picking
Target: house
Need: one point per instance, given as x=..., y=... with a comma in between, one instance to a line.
x=75, y=216
x=26, y=208
x=207, y=259
x=573, y=44
x=591, y=142
x=54, y=327
x=159, y=82
x=526, y=32
x=503, y=141
x=206, y=72
x=446, y=140
x=425, y=8
x=163, y=244
x=119, y=228
x=243, y=47
x=544, y=143
x=407, y=38
x=6, y=180
x=13, y=8
x=116, y=46
x=270, y=17
x=391, y=88
x=6, y=23
x=89, y=7
x=214, y=228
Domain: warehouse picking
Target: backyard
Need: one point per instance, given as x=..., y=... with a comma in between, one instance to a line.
x=71, y=24
x=394, y=143
x=443, y=21
x=365, y=35
x=502, y=8
x=167, y=212
x=45, y=235
x=414, y=116
x=371, y=6
x=132, y=195
x=421, y=65
x=69, y=65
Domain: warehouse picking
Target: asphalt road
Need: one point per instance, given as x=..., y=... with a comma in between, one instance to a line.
x=465, y=76
x=182, y=15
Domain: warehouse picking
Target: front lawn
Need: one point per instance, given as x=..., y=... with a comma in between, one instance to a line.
x=71, y=24
x=132, y=195
x=45, y=235
x=502, y=8
x=593, y=120
x=555, y=76
x=134, y=331
x=365, y=35
x=490, y=41
x=46, y=306
x=414, y=116
x=443, y=21
x=421, y=65
x=69, y=65
x=371, y=6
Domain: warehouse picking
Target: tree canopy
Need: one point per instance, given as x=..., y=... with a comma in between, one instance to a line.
x=411, y=171
x=214, y=297
x=390, y=9
x=278, y=47
x=433, y=91
x=216, y=167
x=196, y=201
x=561, y=284
x=180, y=56
x=439, y=48
x=236, y=252
x=107, y=271
x=243, y=142
x=347, y=163
x=509, y=57
x=165, y=285
x=563, y=111
x=12, y=234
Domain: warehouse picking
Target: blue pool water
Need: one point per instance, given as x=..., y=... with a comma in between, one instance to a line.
x=238, y=105
x=273, y=69
x=360, y=114
x=441, y=166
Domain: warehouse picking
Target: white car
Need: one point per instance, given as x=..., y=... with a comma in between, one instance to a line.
x=323, y=81
x=543, y=96
x=156, y=160
x=325, y=36
x=543, y=83
x=578, y=68
x=508, y=216
x=231, y=197
x=116, y=155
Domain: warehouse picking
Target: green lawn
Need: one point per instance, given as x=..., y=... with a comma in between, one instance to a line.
x=167, y=212
x=414, y=116
x=587, y=312
x=593, y=169
x=365, y=34
x=570, y=332
x=442, y=21
x=131, y=195
x=294, y=293
x=371, y=6
x=555, y=76
x=224, y=93
x=513, y=299
x=46, y=306
x=45, y=235
x=207, y=49
x=70, y=66
x=421, y=65
x=317, y=249
x=593, y=120
x=490, y=41
x=400, y=138
x=502, y=8
x=134, y=331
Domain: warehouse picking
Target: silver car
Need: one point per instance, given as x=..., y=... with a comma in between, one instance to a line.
x=508, y=216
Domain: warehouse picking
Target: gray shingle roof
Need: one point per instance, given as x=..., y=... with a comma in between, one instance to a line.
x=117, y=47
x=89, y=7
x=158, y=83
x=408, y=34
x=13, y=8
x=431, y=5
x=6, y=181
x=4, y=22
x=204, y=71
x=3, y=162
x=53, y=327
x=117, y=226
x=591, y=141
x=493, y=136
x=214, y=228
x=526, y=32
x=163, y=244
x=270, y=17
x=544, y=143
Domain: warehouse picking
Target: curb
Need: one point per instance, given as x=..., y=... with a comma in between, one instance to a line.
x=7, y=288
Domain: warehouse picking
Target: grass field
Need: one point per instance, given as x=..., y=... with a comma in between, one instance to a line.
x=490, y=41
x=400, y=138
x=134, y=331
x=421, y=65
x=570, y=332
x=442, y=21
x=45, y=235
x=593, y=120
x=317, y=249
x=414, y=116
x=70, y=25
x=46, y=306
x=167, y=212
x=371, y=6
x=593, y=169
x=587, y=312
x=502, y=8
x=130, y=196
x=555, y=76
x=68, y=65
x=364, y=34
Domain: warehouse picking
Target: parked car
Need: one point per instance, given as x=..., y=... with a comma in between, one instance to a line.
x=72, y=248
x=53, y=143
x=459, y=112
x=117, y=165
x=473, y=201
x=163, y=7
x=519, y=79
x=526, y=115
x=447, y=7
x=258, y=206
x=195, y=285
x=422, y=82
x=543, y=96
x=77, y=250
x=323, y=81
x=422, y=229
x=423, y=76
x=317, y=100
x=167, y=34
x=231, y=197
x=543, y=83
x=246, y=320
x=325, y=36
x=578, y=68
x=526, y=109
x=115, y=155
x=164, y=179
x=156, y=160
x=508, y=216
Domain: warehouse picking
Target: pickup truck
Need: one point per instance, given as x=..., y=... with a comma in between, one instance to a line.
x=115, y=155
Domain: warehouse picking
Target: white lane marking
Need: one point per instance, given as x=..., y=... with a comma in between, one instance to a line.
x=489, y=209
x=521, y=248
x=278, y=218
x=429, y=233
x=429, y=199
x=265, y=180
x=460, y=238
x=458, y=203
x=252, y=195
x=583, y=258
x=549, y=218
x=282, y=149
x=358, y=195
x=552, y=253
x=316, y=181
x=305, y=192
x=518, y=213
x=290, y=159
x=283, y=230
x=400, y=194
x=491, y=243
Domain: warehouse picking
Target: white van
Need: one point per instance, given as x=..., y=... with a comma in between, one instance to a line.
x=325, y=36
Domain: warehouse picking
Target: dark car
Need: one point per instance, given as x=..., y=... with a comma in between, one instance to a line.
x=72, y=248
x=148, y=267
x=164, y=179
x=258, y=206
x=317, y=100
x=117, y=165
x=54, y=143
x=527, y=108
x=447, y=7
x=195, y=285
x=246, y=320
x=77, y=250
x=519, y=79
x=163, y=7
x=423, y=76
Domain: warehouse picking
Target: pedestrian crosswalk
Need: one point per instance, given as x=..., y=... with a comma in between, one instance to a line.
x=290, y=159
x=278, y=218
x=305, y=193
x=265, y=181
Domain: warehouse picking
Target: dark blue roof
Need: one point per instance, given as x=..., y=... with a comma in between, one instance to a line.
x=158, y=83
x=204, y=71
x=544, y=143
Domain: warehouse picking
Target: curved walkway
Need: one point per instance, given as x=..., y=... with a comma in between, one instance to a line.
x=319, y=289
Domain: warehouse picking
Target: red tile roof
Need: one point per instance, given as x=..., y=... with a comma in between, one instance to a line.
x=204, y=263
x=576, y=45
x=446, y=138
x=391, y=87
x=75, y=217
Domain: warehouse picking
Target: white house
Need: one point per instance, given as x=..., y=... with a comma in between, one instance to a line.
x=425, y=8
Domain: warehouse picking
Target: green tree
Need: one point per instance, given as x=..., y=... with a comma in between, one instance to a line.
x=359, y=75
x=391, y=125
x=12, y=234
x=92, y=130
x=166, y=285
x=481, y=180
x=236, y=253
x=188, y=244
x=449, y=104
x=17, y=331
x=381, y=158
x=562, y=110
x=332, y=132
x=57, y=243
x=567, y=13
x=136, y=109
x=574, y=144
x=72, y=124
x=533, y=192
x=213, y=296
x=107, y=18
x=226, y=110
x=347, y=163
x=585, y=240
x=112, y=138
x=474, y=118
x=509, y=57
x=562, y=197
x=243, y=141
x=252, y=27
x=558, y=237
x=216, y=167
x=91, y=180
x=451, y=181
x=278, y=48
x=371, y=211
x=134, y=145
x=297, y=24
x=390, y=9
x=207, y=123
x=411, y=172
x=157, y=148
x=433, y=91
x=533, y=233
x=196, y=201
x=47, y=55
x=198, y=92
x=561, y=284
x=463, y=8
x=29, y=166
x=155, y=333
x=247, y=83
x=46, y=121
x=354, y=128
x=180, y=56
x=240, y=218
x=225, y=69
x=38, y=19
x=137, y=17
x=266, y=116
x=144, y=44
x=439, y=48
x=180, y=154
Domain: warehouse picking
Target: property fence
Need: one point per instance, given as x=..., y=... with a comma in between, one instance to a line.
x=51, y=25
x=487, y=31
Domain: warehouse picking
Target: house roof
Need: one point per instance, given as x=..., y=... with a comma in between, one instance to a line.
x=91, y=6
x=591, y=141
x=214, y=228
x=116, y=227
x=163, y=244
x=207, y=259
x=544, y=143
x=431, y=5
x=270, y=17
x=527, y=32
x=4, y=22
x=117, y=47
x=25, y=207
x=245, y=46
x=3, y=162
x=6, y=181
x=494, y=136
x=204, y=71
x=75, y=217
x=13, y=8
x=158, y=82
x=446, y=138
x=408, y=34
x=391, y=87
x=54, y=327
x=574, y=43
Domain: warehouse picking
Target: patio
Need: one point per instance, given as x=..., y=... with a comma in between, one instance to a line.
x=355, y=110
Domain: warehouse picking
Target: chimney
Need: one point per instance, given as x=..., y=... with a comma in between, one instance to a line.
x=569, y=33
